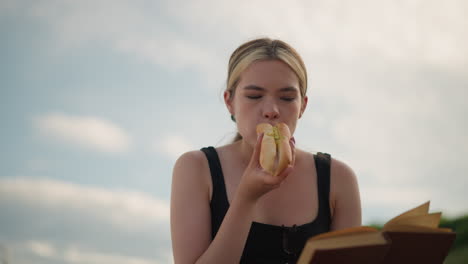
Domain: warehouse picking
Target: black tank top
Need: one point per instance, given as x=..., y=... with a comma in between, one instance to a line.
x=269, y=243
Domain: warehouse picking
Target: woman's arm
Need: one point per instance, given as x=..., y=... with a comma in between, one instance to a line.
x=345, y=201
x=191, y=216
x=190, y=210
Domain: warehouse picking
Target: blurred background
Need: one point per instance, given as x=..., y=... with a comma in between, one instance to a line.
x=99, y=98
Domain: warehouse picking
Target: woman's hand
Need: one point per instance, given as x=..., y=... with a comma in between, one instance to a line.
x=256, y=182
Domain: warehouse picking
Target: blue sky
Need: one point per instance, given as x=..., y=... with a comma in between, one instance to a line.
x=98, y=99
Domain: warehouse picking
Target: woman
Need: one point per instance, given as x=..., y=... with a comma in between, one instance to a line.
x=224, y=207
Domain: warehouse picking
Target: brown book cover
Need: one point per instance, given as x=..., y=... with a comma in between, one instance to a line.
x=411, y=237
x=351, y=245
x=410, y=248
x=371, y=254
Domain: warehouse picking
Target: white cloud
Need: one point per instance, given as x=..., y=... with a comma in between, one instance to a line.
x=211, y=126
x=76, y=255
x=173, y=146
x=382, y=202
x=41, y=248
x=84, y=131
x=404, y=126
x=405, y=32
x=73, y=254
x=127, y=210
x=141, y=29
x=402, y=31
x=171, y=52
x=391, y=197
x=69, y=223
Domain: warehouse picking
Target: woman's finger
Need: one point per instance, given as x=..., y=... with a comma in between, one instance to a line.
x=292, y=143
x=255, y=160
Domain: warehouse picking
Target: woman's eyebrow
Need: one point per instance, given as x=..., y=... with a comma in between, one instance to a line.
x=289, y=89
x=254, y=87
x=258, y=88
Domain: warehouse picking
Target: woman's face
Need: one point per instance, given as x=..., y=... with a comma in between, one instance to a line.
x=268, y=92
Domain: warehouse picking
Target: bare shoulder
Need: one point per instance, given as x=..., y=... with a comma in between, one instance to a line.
x=191, y=169
x=341, y=172
x=345, y=201
x=343, y=181
x=194, y=159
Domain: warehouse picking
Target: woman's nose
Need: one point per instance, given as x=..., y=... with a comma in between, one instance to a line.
x=271, y=113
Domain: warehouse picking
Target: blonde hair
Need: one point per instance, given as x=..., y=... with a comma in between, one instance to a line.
x=264, y=49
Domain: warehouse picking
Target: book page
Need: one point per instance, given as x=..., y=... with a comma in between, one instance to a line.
x=422, y=209
x=429, y=220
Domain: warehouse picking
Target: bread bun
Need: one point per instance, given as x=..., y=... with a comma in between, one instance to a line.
x=275, y=152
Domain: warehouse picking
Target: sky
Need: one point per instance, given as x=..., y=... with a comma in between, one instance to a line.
x=99, y=98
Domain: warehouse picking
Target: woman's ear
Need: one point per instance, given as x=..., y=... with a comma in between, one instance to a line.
x=303, y=105
x=228, y=101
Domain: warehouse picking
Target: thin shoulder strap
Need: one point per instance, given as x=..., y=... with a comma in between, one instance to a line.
x=219, y=202
x=323, y=163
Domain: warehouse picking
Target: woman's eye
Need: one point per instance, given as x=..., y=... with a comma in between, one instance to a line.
x=254, y=96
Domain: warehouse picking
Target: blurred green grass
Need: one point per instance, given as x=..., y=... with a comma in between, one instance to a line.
x=459, y=251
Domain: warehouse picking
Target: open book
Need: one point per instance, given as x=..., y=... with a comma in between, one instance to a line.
x=411, y=237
